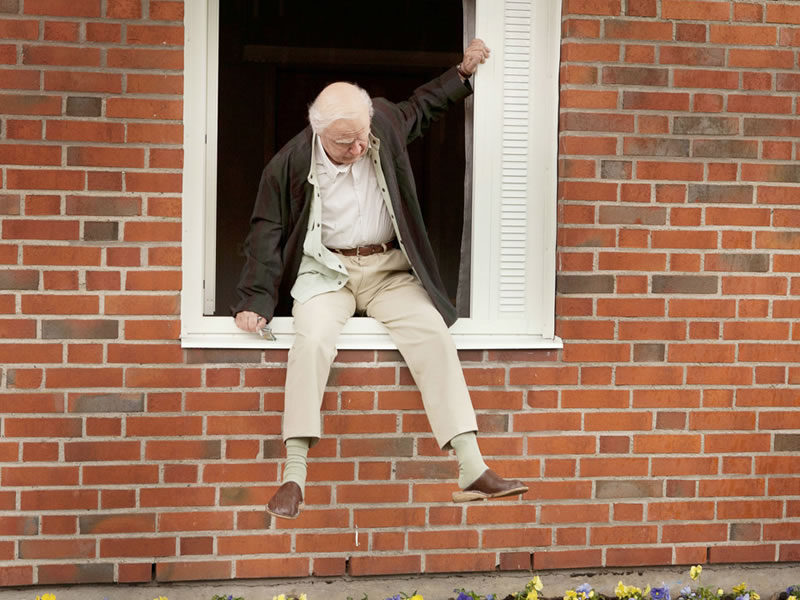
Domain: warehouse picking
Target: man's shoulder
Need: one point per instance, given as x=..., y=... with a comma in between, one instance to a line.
x=295, y=154
x=385, y=124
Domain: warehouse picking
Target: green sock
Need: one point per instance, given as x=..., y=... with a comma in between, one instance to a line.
x=470, y=461
x=294, y=469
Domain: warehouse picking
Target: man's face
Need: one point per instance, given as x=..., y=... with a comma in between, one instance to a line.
x=346, y=140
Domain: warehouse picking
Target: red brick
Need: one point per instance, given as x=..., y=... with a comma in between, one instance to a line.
x=681, y=511
x=142, y=305
x=21, y=129
x=461, y=562
x=222, y=401
x=563, y=559
x=89, y=377
x=700, y=465
x=614, y=467
x=239, y=472
x=348, y=424
x=742, y=554
x=152, y=231
x=760, y=58
x=384, y=565
x=123, y=257
x=131, y=474
x=124, y=9
x=776, y=464
x=83, y=81
x=195, y=521
x=731, y=487
x=359, y=494
x=101, y=451
x=661, y=443
x=30, y=549
x=60, y=55
x=706, y=78
x=138, y=547
x=272, y=567
x=696, y=532
x=16, y=576
x=252, y=544
x=105, y=181
x=595, y=398
x=581, y=28
x=162, y=83
x=103, y=32
x=154, y=133
x=193, y=571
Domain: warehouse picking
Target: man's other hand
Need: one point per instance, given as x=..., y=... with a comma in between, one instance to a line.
x=249, y=321
x=475, y=54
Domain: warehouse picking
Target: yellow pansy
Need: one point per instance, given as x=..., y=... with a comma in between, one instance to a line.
x=570, y=595
x=302, y=597
x=695, y=571
x=720, y=591
x=416, y=597
x=792, y=598
x=532, y=595
x=754, y=596
x=537, y=583
x=281, y=597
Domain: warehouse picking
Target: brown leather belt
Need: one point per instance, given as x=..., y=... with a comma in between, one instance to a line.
x=366, y=250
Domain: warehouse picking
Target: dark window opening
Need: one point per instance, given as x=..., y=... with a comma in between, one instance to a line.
x=274, y=58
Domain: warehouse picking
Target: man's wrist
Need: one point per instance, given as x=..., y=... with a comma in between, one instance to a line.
x=462, y=73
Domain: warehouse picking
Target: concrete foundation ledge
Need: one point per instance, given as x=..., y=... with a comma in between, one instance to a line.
x=767, y=579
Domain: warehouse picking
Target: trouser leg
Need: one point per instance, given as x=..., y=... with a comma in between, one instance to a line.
x=421, y=336
x=317, y=324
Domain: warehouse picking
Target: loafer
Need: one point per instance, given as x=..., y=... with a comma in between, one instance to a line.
x=490, y=485
x=286, y=502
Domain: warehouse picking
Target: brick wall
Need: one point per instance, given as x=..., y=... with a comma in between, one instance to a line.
x=666, y=431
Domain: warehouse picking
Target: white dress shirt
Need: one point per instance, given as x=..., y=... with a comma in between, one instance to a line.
x=320, y=269
x=353, y=210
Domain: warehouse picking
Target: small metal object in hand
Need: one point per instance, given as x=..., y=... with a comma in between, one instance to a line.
x=266, y=333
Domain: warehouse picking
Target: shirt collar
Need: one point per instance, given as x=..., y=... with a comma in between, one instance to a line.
x=325, y=162
x=320, y=158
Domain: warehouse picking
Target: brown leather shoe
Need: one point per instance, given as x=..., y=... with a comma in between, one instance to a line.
x=287, y=501
x=490, y=485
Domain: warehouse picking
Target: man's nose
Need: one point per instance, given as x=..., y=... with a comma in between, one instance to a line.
x=357, y=148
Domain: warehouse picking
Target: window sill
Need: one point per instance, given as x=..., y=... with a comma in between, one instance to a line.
x=362, y=333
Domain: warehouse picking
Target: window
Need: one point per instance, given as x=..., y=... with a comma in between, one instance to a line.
x=275, y=56
x=513, y=186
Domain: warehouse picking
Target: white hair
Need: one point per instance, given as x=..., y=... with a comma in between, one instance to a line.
x=320, y=119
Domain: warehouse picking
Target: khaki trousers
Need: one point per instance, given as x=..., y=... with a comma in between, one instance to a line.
x=380, y=286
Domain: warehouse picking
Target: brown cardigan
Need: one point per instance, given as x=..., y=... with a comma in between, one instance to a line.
x=274, y=245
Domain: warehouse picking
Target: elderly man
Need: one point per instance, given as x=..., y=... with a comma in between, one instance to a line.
x=337, y=230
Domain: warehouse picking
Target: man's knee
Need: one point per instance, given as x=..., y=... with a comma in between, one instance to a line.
x=313, y=343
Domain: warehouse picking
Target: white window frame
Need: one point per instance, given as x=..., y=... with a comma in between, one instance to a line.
x=515, y=143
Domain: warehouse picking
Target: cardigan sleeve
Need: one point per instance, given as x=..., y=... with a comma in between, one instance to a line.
x=261, y=275
x=429, y=102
